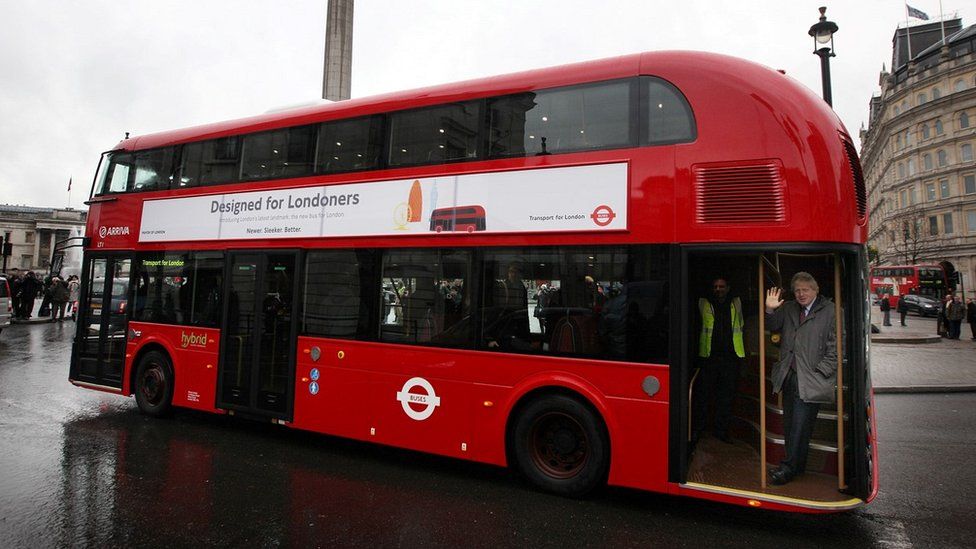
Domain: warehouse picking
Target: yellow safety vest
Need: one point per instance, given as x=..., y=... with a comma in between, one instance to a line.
x=708, y=324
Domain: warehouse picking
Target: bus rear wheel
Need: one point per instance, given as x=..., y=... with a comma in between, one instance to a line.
x=561, y=446
x=154, y=384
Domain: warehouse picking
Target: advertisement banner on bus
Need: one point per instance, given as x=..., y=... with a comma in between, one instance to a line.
x=579, y=198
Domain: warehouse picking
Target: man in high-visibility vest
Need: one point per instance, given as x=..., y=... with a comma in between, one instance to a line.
x=721, y=351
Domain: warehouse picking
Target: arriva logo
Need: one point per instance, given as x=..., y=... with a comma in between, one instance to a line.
x=193, y=340
x=104, y=231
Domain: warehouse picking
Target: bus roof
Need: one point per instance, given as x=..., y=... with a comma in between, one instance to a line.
x=681, y=68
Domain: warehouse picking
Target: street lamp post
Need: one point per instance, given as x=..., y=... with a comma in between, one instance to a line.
x=823, y=46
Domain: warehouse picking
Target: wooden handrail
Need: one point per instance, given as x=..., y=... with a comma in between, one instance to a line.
x=691, y=406
x=838, y=328
x=762, y=377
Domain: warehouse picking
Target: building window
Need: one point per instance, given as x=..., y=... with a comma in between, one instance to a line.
x=901, y=170
x=897, y=110
x=947, y=223
x=936, y=93
x=925, y=131
x=944, y=188
x=922, y=99
x=927, y=161
x=904, y=106
x=943, y=158
x=967, y=152
x=912, y=196
x=971, y=221
x=959, y=85
x=969, y=182
x=903, y=198
x=898, y=142
x=938, y=128
x=908, y=138
x=25, y=261
x=911, y=167
x=930, y=192
x=964, y=120
x=29, y=237
x=933, y=225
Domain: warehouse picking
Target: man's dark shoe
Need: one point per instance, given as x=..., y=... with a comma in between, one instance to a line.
x=780, y=476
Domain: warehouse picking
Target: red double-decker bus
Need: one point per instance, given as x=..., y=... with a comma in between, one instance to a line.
x=889, y=282
x=288, y=268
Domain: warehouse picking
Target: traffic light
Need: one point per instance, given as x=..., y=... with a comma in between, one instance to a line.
x=6, y=247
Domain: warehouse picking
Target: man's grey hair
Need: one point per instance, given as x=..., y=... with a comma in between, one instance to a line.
x=804, y=276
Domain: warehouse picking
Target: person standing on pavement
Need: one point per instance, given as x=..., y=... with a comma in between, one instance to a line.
x=28, y=291
x=16, y=287
x=74, y=294
x=943, y=324
x=806, y=374
x=955, y=311
x=971, y=316
x=59, y=299
x=886, y=309
x=902, y=309
x=721, y=352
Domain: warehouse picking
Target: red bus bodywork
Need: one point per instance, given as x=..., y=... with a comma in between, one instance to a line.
x=746, y=115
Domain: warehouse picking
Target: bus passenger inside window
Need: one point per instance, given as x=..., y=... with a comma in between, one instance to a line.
x=506, y=317
x=431, y=303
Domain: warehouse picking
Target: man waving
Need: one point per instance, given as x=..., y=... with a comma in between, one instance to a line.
x=806, y=374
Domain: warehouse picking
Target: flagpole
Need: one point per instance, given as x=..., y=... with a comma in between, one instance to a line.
x=942, y=22
x=908, y=33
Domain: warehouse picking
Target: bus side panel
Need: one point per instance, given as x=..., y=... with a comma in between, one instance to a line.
x=457, y=403
x=193, y=351
x=640, y=445
x=341, y=400
x=395, y=396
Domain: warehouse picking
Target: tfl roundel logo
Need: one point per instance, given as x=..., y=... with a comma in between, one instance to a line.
x=602, y=215
x=420, y=405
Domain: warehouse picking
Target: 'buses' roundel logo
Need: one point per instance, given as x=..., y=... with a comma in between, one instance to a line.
x=602, y=215
x=427, y=400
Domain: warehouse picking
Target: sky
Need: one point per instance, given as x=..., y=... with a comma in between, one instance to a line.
x=75, y=76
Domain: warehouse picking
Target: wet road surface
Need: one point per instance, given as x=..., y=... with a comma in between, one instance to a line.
x=81, y=468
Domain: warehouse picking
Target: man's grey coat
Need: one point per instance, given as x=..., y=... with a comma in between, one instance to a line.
x=813, y=343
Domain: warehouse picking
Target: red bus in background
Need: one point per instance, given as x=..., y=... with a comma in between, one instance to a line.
x=289, y=268
x=893, y=281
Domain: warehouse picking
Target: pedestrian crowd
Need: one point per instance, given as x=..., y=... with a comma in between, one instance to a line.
x=950, y=314
x=59, y=296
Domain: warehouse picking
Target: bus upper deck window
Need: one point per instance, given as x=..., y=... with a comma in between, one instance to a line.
x=668, y=117
x=115, y=174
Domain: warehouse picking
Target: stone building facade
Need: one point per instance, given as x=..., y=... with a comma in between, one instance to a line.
x=918, y=152
x=33, y=233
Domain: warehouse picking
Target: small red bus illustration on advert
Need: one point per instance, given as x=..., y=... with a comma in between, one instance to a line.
x=602, y=215
x=459, y=219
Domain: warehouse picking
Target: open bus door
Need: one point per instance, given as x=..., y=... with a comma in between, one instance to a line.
x=838, y=470
x=98, y=356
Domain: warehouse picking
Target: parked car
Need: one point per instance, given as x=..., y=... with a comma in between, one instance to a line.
x=922, y=306
x=6, y=306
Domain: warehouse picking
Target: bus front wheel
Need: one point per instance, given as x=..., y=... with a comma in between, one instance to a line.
x=154, y=384
x=561, y=446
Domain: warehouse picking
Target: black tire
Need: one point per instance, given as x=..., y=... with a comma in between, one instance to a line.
x=561, y=446
x=154, y=384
